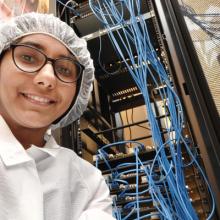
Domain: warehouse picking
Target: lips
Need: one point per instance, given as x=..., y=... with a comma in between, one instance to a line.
x=38, y=99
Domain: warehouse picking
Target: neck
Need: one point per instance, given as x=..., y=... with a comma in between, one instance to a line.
x=34, y=137
x=28, y=136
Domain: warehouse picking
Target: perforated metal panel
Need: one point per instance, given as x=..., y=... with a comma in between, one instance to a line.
x=202, y=18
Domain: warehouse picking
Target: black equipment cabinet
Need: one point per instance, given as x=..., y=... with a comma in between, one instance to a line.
x=188, y=26
x=181, y=29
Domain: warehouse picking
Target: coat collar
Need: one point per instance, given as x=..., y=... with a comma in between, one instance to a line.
x=51, y=147
x=12, y=152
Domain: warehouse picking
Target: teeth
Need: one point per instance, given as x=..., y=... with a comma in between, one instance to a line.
x=38, y=99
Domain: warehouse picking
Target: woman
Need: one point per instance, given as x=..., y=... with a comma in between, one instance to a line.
x=46, y=76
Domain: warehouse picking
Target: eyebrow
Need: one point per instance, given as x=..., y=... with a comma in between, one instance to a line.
x=38, y=46
x=41, y=47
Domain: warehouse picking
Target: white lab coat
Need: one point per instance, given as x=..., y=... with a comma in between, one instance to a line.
x=50, y=183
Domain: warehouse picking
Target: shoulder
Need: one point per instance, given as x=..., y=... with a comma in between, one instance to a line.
x=86, y=170
x=76, y=160
x=68, y=157
x=85, y=177
x=85, y=174
x=79, y=170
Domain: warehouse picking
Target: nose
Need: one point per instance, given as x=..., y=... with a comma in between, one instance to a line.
x=45, y=78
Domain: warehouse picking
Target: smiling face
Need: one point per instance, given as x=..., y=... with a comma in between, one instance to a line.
x=34, y=100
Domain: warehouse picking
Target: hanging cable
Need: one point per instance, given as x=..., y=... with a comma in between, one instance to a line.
x=169, y=194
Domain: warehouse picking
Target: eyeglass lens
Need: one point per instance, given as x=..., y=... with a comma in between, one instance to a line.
x=30, y=60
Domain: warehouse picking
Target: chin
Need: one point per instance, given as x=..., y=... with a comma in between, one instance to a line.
x=37, y=126
x=34, y=124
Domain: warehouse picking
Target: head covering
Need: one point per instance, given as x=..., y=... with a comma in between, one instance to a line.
x=31, y=23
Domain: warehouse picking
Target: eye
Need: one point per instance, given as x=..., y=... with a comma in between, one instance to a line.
x=64, y=71
x=27, y=58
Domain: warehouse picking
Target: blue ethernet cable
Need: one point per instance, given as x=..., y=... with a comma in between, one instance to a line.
x=174, y=204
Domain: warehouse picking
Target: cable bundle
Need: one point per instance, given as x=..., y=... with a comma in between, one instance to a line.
x=209, y=21
x=132, y=37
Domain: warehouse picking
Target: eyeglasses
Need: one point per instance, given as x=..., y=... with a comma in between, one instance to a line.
x=30, y=59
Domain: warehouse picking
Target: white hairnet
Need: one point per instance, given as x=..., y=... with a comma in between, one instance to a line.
x=49, y=24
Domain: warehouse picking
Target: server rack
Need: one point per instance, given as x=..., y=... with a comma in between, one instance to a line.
x=108, y=99
x=197, y=81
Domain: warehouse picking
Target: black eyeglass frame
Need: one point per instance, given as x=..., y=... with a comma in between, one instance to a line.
x=47, y=59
